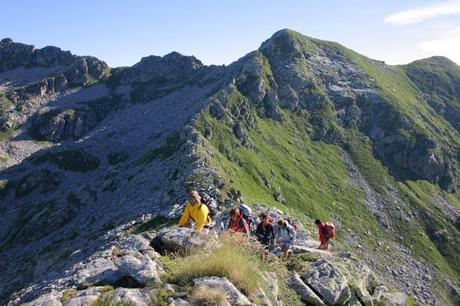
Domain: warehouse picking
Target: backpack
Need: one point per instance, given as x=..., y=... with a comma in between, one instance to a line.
x=330, y=229
x=292, y=224
x=247, y=214
x=210, y=202
x=290, y=230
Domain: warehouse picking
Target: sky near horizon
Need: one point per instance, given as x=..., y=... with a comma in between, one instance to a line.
x=219, y=32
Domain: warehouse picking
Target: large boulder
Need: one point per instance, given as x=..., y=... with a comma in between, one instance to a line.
x=182, y=238
x=234, y=296
x=328, y=281
x=304, y=292
x=98, y=271
x=139, y=267
x=360, y=277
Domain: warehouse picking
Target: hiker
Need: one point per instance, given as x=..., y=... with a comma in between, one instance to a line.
x=246, y=211
x=195, y=212
x=292, y=223
x=264, y=231
x=284, y=236
x=326, y=232
x=238, y=223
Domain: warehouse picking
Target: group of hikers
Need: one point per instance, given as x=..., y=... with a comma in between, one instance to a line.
x=277, y=237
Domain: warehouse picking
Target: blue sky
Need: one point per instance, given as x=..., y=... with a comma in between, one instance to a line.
x=219, y=32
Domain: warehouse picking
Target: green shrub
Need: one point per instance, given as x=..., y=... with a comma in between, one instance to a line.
x=71, y=160
x=68, y=294
x=5, y=186
x=40, y=180
x=153, y=224
x=115, y=158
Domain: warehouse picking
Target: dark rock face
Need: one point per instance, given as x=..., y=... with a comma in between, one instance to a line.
x=40, y=180
x=85, y=68
x=56, y=126
x=172, y=67
x=13, y=55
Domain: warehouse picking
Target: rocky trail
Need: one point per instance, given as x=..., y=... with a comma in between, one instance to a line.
x=131, y=272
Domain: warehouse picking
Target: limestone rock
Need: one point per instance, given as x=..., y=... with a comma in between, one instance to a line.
x=183, y=238
x=50, y=299
x=328, y=281
x=304, y=292
x=82, y=300
x=234, y=296
x=100, y=270
x=140, y=267
x=179, y=302
x=131, y=297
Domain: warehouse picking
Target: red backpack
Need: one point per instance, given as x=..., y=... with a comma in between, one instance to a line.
x=330, y=227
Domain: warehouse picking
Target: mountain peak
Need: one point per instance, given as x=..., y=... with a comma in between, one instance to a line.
x=171, y=66
x=288, y=42
x=436, y=60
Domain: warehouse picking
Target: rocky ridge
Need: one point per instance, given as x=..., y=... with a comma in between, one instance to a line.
x=87, y=149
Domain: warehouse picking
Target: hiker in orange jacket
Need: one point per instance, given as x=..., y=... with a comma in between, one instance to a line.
x=323, y=234
x=238, y=223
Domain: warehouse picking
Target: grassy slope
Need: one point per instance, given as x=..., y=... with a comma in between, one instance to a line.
x=398, y=90
x=313, y=179
x=437, y=75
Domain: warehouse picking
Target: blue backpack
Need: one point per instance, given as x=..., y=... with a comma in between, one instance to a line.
x=247, y=214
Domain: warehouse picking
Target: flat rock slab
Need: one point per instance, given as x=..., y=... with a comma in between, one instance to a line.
x=100, y=270
x=50, y=299
x=298, y=249
x=234, y=296
x=83, y=300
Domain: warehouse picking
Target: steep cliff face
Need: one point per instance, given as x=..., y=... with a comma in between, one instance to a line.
x=302, y=124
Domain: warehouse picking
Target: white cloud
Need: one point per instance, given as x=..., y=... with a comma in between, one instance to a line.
x=447, y=46
x=424, y=13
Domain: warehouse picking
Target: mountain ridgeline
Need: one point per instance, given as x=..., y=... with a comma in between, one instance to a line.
x=302, y=124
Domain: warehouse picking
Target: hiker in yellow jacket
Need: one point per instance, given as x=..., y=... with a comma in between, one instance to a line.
x=195, y=211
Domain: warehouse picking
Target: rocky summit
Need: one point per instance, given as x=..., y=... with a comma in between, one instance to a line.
x=96, y=163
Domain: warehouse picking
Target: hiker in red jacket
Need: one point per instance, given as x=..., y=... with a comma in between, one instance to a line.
x=324, y=234
x=237, y=222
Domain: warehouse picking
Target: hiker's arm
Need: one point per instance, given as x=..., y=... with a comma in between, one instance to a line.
x=185, y=216
x=201, y=220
